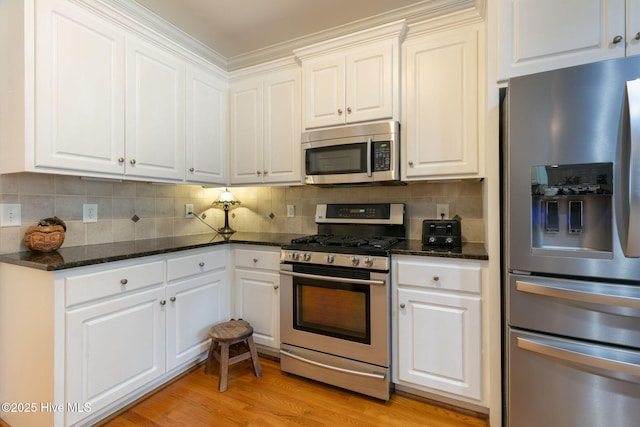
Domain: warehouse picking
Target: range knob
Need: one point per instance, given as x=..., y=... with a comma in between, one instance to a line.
x=368, y=261
x=294, y=256
x=306, y=256
x=432, y=239
x=330, y=259
x=355, y=260
x=449, y=240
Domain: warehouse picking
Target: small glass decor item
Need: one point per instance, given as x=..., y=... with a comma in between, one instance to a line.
x=47, y=236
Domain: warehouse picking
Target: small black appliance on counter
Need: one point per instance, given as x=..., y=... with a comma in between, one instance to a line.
x=441, y=233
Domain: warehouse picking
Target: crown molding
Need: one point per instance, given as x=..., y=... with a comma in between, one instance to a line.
x=423, y=11
x=168, y=31
x=428, y=11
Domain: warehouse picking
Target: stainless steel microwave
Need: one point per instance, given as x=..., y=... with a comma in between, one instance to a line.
x=352, y=154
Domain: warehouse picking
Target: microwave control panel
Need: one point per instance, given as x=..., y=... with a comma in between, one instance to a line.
x=381, y=156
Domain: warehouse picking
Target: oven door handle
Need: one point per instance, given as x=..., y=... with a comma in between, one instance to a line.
x=334, y=368
x=334, y=279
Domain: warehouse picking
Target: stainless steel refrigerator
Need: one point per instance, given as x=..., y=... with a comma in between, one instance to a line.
x=571, y=193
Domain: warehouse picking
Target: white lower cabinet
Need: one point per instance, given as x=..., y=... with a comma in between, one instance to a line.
x=437, y=324
x=257, y=284
x=105, y=335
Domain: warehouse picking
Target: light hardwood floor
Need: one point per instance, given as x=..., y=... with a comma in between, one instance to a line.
x=278, y=399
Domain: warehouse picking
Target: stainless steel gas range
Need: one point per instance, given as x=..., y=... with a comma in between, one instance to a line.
x=335, y=297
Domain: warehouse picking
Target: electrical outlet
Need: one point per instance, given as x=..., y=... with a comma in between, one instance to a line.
x=10, y=215
x=188, y=210
x=291, y=211
x=442, y=210
x=89, y=213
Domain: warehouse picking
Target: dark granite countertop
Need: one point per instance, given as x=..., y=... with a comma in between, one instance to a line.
x=80, y=256
x=414, y=247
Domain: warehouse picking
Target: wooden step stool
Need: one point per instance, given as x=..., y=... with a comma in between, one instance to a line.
x=237, y=334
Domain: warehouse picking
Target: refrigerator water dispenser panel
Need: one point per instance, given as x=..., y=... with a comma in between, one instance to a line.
x=572, y=210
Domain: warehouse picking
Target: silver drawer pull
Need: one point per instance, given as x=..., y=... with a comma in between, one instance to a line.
x=172, y=299
x=436, y=278
x=201, y=264
x=123, y=282
x=163, y=302
x=255, y=260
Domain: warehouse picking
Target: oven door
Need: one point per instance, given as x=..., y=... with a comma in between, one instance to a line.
x=346, y=317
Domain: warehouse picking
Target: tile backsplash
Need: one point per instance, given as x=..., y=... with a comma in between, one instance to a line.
x=131, y=210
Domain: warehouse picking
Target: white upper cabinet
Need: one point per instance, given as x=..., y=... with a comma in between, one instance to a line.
x=441, y=135
x=351, y=79
x=206, y=112
x=349, y=88
x=540, y=35
x=264, y=129
x=155, y=112
x=80, y=90
x=90, y=91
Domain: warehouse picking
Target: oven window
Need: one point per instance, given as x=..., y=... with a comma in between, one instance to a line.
x=337, y=159
x=333, y=309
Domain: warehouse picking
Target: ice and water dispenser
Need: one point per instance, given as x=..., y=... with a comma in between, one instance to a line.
x=572, y=210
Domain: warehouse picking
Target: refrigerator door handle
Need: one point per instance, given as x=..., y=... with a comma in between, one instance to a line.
x=557, y=291
x=632, y=249
x=597, y=360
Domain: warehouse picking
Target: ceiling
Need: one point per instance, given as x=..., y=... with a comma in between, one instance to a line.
x=236, y=27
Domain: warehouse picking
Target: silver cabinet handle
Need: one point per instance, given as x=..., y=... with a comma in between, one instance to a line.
x=163, y=302
x=436, y=278
x=276, y=287
x=120, y=159
x=255, y=260
x=558, y=291
x=264, y=173
x=348, y=110
x=410, y=163
x=402, y=305
x=339, y=111
x=258, y=173
x=123, y=282
x=573, y=355
x=637, y=37
x=132, y=161
x=201, y=264
x=333, y=368
x=173, y=299
x=633, y=232
x=191, y=170
x=617, y=39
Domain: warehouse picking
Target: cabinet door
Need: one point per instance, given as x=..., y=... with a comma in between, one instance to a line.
x=369, y=83
x=540, y=35
x=633, y=27
x=206, y=127
x=246, y=138
x=80, y=80
x=440, y=132
x=155, y=112
x=113, y=348
x=282, y=109
x=323, y=97
x=439, y=341
x=258, y=302
x=193, y=307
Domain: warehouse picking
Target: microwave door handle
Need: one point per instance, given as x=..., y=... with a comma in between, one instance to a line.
x=633, y=231
x=369, y=160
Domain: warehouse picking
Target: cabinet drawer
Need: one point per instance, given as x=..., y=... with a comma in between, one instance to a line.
x=251, y=258
x=453, y=277
x=190, y=265
x=117, y=280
